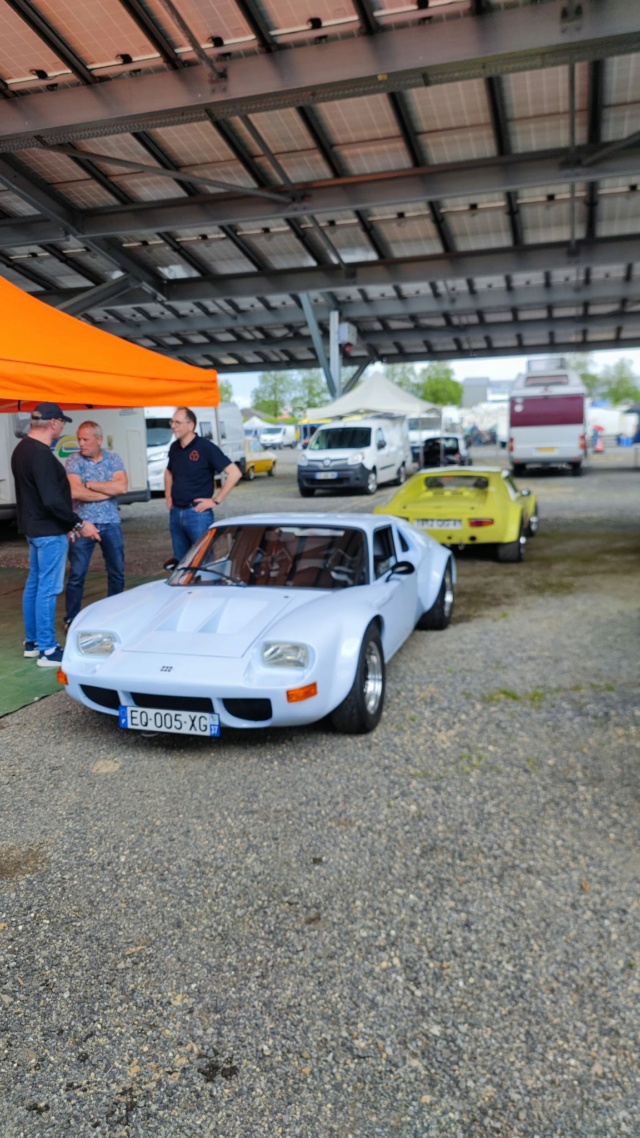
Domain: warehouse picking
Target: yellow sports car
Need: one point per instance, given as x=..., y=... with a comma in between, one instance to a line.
x=257, y=459
x=468, y=506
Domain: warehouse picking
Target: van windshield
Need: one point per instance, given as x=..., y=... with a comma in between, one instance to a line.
x=159, y=433
x=341, y=438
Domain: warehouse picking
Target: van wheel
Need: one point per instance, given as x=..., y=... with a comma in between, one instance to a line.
x=576, y=469
x=306, y=491
x=401, y=475
x=372, y=482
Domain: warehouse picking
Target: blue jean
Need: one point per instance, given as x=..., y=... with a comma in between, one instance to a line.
x=80, y=554
x=186, y=526
x=47, y=557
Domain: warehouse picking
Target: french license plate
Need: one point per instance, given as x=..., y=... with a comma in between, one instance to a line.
x=546, y=450
x=326, y=474
x=172, y=722
x=440, y=523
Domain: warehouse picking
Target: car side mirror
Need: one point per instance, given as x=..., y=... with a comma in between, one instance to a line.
x=170, y=565
x=402, y=569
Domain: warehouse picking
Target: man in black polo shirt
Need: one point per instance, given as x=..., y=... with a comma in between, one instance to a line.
x=189, y=481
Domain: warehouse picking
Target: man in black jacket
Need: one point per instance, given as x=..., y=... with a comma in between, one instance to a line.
x=46, y=517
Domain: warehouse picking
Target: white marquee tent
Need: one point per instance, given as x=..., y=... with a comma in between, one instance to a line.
x=376, y=394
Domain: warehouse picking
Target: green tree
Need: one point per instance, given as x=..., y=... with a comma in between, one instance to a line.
x=273, y=393
x=405, y=376
x=310, y=391
x=619, y=384
x=583, y=364
x=437, y=384
x=225, y=388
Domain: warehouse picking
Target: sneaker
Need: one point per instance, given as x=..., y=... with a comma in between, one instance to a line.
x=51, y=659
x=30, y=648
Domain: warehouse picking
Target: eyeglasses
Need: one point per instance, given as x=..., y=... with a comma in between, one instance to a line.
x=177, y=422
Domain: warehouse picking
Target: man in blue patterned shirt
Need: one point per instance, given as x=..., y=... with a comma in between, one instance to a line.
x=96, y=478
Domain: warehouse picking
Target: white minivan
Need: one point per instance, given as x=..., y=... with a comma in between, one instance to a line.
x=278, y=436
x=358, y=453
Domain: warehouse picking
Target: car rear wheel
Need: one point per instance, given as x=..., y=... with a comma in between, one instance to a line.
x=533, y=524
x=360, y=712
x=372, y=482
x=512, y=551
x=439, y=615
x=271, y=471
x=306, y=491
x=576, y=469
x=250, y=473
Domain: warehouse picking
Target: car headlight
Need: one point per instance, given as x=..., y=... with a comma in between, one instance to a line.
x=284, y=654
x=356, y=458
x=304, y=459
x=96, y=643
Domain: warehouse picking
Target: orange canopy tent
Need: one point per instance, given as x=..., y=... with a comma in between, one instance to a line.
x=47, y=355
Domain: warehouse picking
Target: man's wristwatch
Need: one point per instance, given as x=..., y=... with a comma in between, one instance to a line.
x=78, y=526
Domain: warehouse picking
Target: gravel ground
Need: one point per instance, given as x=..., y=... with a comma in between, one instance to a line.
x=428, y=932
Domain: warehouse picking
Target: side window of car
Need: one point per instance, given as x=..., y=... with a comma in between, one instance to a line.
x=383, y=551
x=380, y=441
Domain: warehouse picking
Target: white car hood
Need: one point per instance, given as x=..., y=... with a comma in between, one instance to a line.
x=215, y=621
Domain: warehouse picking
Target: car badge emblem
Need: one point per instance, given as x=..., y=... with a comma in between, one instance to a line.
x=167, y=668
x=327, y=462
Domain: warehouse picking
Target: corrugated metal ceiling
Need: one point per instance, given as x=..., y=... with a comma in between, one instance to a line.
x=455, y=178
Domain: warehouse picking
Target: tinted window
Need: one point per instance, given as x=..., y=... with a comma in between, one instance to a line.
x=339, y=438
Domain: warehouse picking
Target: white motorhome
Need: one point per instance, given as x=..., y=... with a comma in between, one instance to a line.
x=357, y=453
x=124, y=433
x=548, y=417
x=222, y=424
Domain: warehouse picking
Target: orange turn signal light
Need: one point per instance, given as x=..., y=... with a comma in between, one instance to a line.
x=476, y=522
x=296, y=695
x=62, y=677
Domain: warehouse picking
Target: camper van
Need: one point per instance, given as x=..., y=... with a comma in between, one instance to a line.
x=357, y=453
x=548, y=417
x=222, y=424
x=124, y=433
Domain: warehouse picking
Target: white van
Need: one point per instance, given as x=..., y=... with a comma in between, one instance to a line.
x=124, y=432
x=222, y=424
x=357, y=453
x=548, y=417
x=277, y=436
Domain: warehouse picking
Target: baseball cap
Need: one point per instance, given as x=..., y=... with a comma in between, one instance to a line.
x=49, y=411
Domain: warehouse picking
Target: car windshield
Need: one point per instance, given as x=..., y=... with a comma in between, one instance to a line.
x=339, y=438
x=276, y=556
x=455, y=482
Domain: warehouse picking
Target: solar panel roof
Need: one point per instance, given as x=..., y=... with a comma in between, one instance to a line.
x=455, y=179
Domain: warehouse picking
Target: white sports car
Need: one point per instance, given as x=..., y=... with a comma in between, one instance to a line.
x=269, y=620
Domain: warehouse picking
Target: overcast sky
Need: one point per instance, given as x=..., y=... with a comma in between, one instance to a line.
x=500, y=367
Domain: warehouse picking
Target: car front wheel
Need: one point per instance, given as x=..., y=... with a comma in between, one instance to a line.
x=360, y=712
x=439, y=615
x=306, y=491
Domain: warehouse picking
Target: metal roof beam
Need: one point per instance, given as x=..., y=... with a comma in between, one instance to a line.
x=495, y=43
x=626, y=322
x=404, y=272
x=532, y=296
x=516, y=173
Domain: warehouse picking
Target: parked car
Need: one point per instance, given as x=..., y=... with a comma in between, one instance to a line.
x=445, y=450
x=257, y=460
x=469, y=506
x=360, y=454
x=278, y=436
x=269, y=620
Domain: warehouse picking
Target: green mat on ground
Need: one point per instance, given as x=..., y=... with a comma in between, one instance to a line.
x=22, y=681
